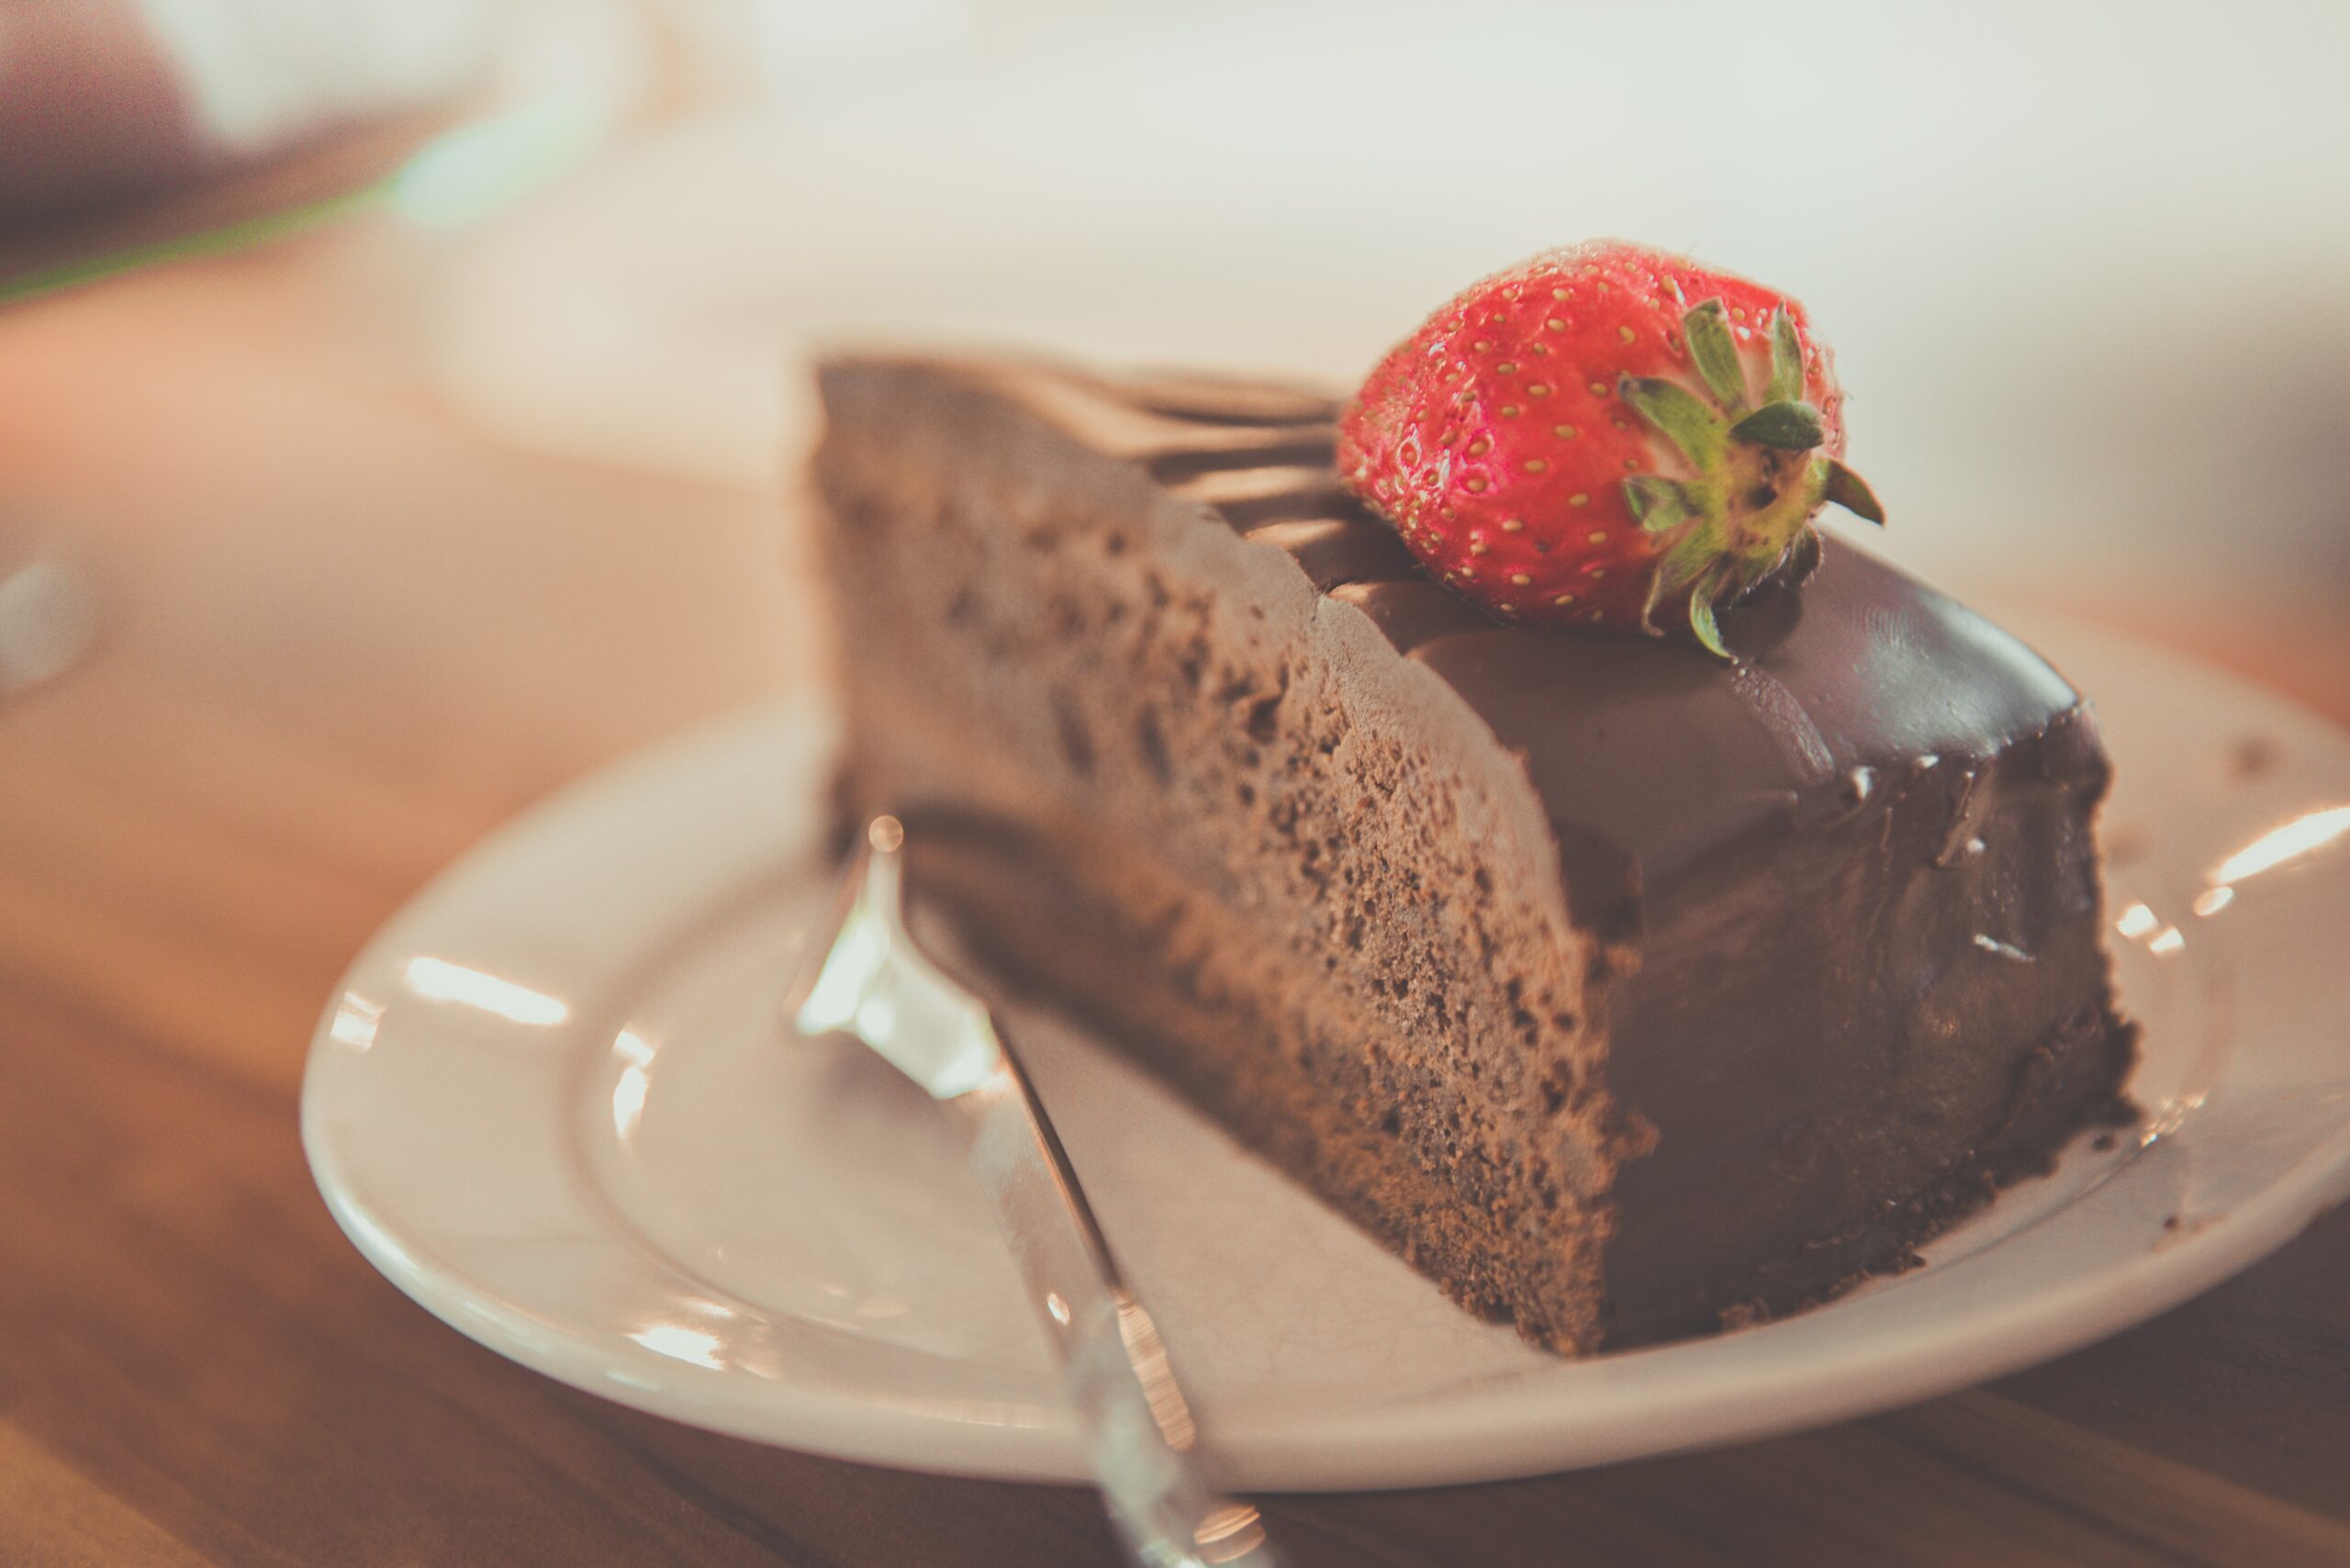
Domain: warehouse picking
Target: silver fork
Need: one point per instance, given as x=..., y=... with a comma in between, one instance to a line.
x=870, y=982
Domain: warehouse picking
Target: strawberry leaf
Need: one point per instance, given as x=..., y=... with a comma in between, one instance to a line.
x=1681, y=415
x=1658, y=504
x=1790, y=427
x=1701, y=615
x=1716, y=352
x=1786, y=360
x=1803, y=558
x=1684, y=562
x=1852, y=492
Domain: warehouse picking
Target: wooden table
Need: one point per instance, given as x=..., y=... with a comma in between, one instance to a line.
x=344, y=635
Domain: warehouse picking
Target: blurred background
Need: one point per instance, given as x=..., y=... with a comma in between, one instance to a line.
x=331, y=327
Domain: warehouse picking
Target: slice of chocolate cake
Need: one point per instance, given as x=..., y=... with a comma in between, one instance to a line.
x=1620, y=989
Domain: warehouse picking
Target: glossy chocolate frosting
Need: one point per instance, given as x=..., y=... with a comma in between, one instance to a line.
x=1649, y=753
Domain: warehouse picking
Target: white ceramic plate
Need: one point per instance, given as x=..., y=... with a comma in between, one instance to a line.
x=552, y=1104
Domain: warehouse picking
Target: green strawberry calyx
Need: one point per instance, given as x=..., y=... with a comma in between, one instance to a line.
x=1746, y=515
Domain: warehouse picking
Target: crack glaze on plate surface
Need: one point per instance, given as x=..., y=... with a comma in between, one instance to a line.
x=552, y=1102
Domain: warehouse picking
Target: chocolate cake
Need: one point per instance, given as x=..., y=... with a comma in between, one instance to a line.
x=1624, y=991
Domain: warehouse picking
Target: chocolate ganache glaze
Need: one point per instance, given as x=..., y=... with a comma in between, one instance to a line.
x=1822, y=878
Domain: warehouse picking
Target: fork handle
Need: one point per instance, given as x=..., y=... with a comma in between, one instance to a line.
x=1140, y=1439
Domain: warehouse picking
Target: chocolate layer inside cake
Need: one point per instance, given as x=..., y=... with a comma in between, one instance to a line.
x=1621, y=990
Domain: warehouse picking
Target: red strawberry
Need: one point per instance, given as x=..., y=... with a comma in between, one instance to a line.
x=1606, y=437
